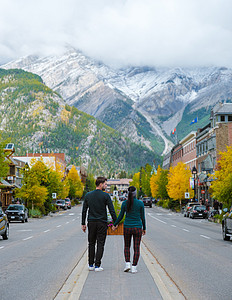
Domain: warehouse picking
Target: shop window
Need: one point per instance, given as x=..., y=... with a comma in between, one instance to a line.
x=230, y=118
x=222, y=118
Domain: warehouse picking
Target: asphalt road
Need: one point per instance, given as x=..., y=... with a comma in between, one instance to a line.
x=39, y=256
x=192, y=252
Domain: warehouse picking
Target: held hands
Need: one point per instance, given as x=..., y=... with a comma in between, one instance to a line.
x=143, y=232
x=83, y=227
x=114, y=227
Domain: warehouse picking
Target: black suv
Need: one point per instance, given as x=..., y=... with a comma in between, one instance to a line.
x=4, y=225
x=227, y=225
x=17, y=212
x=147, y=201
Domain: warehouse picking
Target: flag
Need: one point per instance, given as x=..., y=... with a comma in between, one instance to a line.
x=194, y=121
x=174, y=130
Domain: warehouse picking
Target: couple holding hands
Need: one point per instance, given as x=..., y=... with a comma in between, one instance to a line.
x=95, y=203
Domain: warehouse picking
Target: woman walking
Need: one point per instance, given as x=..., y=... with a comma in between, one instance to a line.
x=134, y=225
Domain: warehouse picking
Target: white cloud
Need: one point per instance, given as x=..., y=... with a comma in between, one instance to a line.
x=136, y=32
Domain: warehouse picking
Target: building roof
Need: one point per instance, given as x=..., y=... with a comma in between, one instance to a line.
x=223, y=108
x=5, y=183
x=119, y=181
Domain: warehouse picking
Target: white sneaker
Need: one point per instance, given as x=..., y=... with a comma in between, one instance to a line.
x=134, y=269
x=127, y=267
x=98, y=269
x=91, y=268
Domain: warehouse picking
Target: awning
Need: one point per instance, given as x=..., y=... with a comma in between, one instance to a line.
x=4, y=183
x=17, y=186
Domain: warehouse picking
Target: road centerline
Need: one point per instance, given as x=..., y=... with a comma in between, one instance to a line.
x=156, y=219
x=30, y=237
x=205, y=237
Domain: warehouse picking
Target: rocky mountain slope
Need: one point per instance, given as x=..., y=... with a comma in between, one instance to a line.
x=143, y=103
x=35, y=118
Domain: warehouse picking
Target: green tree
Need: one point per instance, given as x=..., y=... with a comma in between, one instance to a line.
x=4, y=163
x=89, y=184
x=31, y=191
x=122, y=174
x=158, y=183
x=65, y=189
x=145, y=179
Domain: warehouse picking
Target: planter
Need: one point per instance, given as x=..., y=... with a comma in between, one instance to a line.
x=118, y=231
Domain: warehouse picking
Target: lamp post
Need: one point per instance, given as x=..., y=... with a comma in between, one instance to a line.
x=194, y=172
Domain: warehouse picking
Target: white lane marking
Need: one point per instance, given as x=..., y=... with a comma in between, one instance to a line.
x=46, y=230
x=67, y=222
x=58, y=226
x=25, y=230
x=173, y=226
x=156, y=218
x=73, y=219
x=205, y=237
x=30, y=237
x=169, y=214
x=72, y=214
x=185, y=230
x=2, y=247
x=158, y=214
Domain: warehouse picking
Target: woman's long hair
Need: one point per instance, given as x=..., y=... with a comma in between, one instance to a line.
x=131, y=195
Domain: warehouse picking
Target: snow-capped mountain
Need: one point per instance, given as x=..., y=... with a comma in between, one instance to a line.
x=144, y=103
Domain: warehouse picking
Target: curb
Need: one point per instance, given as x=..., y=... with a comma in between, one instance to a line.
x=165, y=285
x=74, y=284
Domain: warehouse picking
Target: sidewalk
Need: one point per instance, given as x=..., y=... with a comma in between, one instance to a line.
x=113, y=283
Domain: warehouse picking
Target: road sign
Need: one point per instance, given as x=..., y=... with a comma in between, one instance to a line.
x=186, y=195
x=53, y=195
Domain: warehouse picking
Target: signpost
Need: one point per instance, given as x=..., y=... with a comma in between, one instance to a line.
x=186, y=195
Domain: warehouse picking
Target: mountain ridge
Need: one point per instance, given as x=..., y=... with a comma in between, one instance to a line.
x=37, y=119
x=145, y=103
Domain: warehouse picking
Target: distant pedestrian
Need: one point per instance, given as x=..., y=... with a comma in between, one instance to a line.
x=95, y=203
x=134, y=225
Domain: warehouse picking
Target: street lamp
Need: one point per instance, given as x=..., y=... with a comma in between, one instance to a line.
x=194, y=172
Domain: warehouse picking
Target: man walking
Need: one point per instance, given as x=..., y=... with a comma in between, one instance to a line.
x=96, y=202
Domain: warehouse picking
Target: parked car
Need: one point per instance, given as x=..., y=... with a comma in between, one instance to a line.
x=198, y=211
x=188, y=206
x=68, y=203
x=4, y=225
x=61, y=204
x=17, y=212
x=227, y=225
x=122, y=198
x=147, y=201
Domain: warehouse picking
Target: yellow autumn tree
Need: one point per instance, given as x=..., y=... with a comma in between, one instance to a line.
x=154, y=182
x=221, y=187
x=178, y=182
x=75, y=184
x=65, y=189
x=136, y=181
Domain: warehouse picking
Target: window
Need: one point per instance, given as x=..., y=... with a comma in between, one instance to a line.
x=230, y=118
x=222, y=118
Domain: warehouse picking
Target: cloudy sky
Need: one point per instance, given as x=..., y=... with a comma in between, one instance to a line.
x=120, y=32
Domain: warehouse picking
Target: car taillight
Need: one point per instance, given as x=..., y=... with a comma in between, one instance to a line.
x=194, y=211
x=205, y=210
